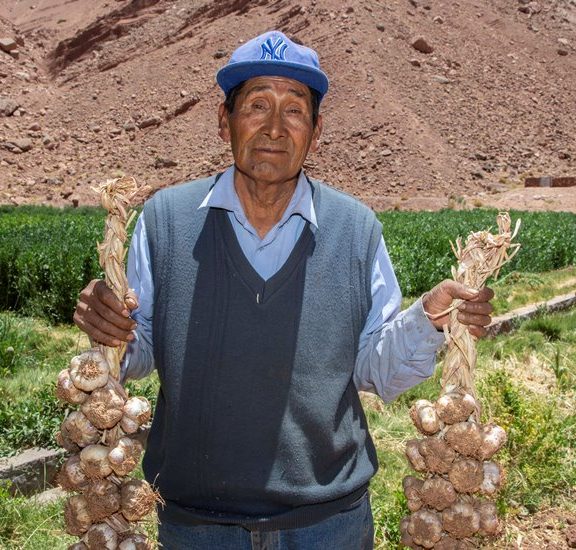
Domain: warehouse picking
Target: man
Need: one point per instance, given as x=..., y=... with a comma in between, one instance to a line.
x=267, y=299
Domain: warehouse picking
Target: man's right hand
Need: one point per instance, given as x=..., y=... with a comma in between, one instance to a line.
x=104, y=318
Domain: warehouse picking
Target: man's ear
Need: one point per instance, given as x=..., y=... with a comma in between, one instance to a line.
x=223, y=126
x=315, y=144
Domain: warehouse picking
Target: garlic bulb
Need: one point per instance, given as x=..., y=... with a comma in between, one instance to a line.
x=76, y=515
x=89, y=370
x=138, y=499
x=67, y=391
x=103, y=498
x=71, y=476
x=101, y=537
x=125, y=456
x=94, y=459
x=103, y=408
x=79, y=429
x=135, y=542
x=65, y=442
x=137, y=412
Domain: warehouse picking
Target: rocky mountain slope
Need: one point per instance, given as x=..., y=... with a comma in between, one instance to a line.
x=91, y=89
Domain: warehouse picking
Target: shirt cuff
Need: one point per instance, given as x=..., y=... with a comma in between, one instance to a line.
x=420, y=330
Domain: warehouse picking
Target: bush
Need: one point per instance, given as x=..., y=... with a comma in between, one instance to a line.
x=46, y=257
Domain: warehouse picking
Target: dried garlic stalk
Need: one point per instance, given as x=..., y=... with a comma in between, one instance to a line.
x=481, y=257
x=116, y=195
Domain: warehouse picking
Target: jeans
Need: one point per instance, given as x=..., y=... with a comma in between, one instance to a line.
x=352, y=529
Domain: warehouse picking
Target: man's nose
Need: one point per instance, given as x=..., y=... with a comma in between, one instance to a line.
x=275, y=127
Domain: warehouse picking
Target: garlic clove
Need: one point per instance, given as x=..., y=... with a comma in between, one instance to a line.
x=94, y=460
x=71, y=477
x=79, y=429
x=67, y=391
x=103, y=499
x=76, y=515
x=89, y=370
x=101, y=537
x=425, y=528
x=138, y=499
x=125, y=456
x=136, y=541
x=103, y=408
x=425, y=418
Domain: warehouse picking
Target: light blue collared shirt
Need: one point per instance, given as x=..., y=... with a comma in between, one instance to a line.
x=396, y=350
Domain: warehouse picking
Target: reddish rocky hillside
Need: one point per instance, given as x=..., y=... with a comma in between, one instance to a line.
x=90, y=89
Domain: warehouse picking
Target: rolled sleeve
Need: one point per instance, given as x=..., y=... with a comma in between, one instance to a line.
x=399, y=351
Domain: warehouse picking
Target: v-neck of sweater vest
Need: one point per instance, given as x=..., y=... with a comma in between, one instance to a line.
x=261, y=289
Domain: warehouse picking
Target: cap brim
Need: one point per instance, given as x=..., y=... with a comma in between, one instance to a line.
x=233, y=74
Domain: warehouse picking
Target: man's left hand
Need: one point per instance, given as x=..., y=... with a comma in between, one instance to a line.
x=474, y=310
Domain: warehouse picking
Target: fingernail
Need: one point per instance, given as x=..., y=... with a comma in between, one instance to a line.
x=126, y=313
x=130, y=337
x=472, y=291
x=115, y=342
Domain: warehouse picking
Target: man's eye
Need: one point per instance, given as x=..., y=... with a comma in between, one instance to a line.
x=258, y=106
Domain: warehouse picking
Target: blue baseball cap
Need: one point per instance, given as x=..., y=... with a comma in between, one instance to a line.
x=273, y=54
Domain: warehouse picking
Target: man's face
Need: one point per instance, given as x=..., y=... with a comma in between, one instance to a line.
x=270, y=129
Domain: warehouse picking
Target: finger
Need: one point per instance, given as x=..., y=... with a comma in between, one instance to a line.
x=93, y=318
x=106, y=296
x=480, y=308
x=472, y=319
x=485, y=295
x=460, y=291
x=124, y=323
x=131, y=299
x=94, y=333
x=478, y=332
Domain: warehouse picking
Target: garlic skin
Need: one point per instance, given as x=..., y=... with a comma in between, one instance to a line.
x=66, y=390
x=71, y=477
x=425, y=418
x=65, y=442
x=135, y=542
x=101, y=537
x=414, y=456
x=125, y=456
x=138, y=499
x=94, y=460
x=89, y=370
x=103, y=498
x=103, y=408
x=76, y=515
x=79, y=429
x=137, y=411
x=425, y=528
x=493, y=478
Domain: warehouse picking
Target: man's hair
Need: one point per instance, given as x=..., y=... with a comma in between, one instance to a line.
x=230, y=101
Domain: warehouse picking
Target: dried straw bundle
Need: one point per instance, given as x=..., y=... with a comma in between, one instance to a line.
x=482, y=257
x=116, y=195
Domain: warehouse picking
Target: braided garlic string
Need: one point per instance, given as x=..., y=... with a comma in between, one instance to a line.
x=116, y=196
x=482, y=256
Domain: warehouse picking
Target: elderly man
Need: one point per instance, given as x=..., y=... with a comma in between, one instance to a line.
x=267, y=300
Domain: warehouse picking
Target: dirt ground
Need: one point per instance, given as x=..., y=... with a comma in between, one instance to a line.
x=127, y=86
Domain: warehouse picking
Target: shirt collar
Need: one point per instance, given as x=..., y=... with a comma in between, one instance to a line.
x=223, y=195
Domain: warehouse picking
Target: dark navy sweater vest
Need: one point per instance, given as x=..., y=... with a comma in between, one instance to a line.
x=258, y=421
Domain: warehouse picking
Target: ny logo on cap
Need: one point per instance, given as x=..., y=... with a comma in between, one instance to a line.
x=275, y=52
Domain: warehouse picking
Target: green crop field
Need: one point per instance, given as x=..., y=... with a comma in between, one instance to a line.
x=48, y=255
